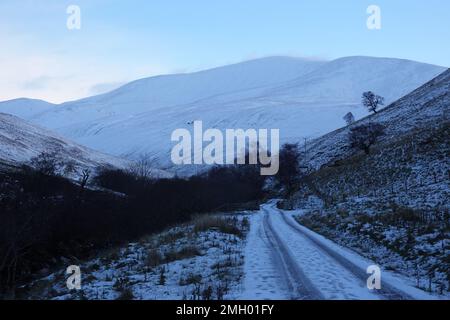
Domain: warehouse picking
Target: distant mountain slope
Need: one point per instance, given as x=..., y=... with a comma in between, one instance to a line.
x=302, y=98
x=148, y=94
x=184, y=88
x=20, y=141
x=343, y=80
x=25, y=108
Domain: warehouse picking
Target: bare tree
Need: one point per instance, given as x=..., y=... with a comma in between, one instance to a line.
x=365, y=136
x=46, y=163
x=372, y=101
x=143, y=167
x=349, y=118
x=85, y=174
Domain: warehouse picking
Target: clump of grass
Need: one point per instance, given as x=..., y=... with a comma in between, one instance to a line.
x=126, y=294
x=184, y=253
x=224, y=264
x=121, y=284
x=162, y=276
x=171, y=237
x=245, y=223
x=191, y=279
x=221, y=224
x=110, y=255
x=154, y=258
x=210, y=291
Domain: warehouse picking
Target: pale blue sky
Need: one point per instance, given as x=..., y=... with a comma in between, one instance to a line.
x=123, y=40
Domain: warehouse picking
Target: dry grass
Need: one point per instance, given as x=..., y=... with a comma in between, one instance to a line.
x=154, y=258
x=191, y=279
x=171, y=237
x=184, y=253
x=126, y=294
x=221, y=224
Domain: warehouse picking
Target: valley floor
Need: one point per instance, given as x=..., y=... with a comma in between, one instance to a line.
x=252, y=255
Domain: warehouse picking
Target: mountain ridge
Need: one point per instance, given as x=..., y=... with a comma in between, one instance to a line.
x=303, y=102
x=21, y=141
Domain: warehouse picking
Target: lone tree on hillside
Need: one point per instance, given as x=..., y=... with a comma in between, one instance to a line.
x=372, y=101
x=349, y=118
x=289, y=172
x=365, y=136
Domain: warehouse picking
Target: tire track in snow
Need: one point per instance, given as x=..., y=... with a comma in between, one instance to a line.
x=300, y=286
x=323, y=273
x=386, y=292
x=264, y=277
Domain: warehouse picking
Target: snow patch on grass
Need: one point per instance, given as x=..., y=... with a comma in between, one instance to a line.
x=201, y=260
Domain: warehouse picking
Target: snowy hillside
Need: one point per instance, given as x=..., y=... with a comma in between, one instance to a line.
x=391, y=205
x=20, y=141
x=25, y=108
x=406, y=167
x=302, y=98
x=423, y=108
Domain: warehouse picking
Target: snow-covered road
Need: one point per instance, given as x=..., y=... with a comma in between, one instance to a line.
x=284, y=260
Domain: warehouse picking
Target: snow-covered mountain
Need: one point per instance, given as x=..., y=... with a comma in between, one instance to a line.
x=343, y=80
x=20, y=141
x=25, y=108
x=302, y=98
